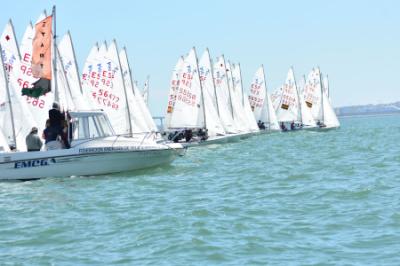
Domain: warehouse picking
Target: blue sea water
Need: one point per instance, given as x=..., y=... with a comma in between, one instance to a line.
x=301, y=198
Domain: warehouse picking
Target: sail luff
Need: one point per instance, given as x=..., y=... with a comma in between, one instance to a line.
x=322, y=94
x=213, y=81
x=8, y=98
x=201, y=89
x=54, y=53
x=298, y=97
x=266, y=98
x=241, y=83
x=16, y=41
x=229, y=90
x=74, y=55
x=125, y=93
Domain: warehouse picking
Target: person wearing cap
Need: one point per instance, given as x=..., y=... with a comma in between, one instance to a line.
x=33, y=141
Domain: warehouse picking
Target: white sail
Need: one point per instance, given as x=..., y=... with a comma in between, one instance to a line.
x=312, y=94
x=116, y=107
x=145, y=110
x=260, y=101
x=89, y=79
x=104, y=88
x=276, y=97
x=3, y=143
x=138, y=119
x=243, y=99
x=325, y=85
x=237, y=106
x=257, y=93
x=145, y=91
x=223, y=96
x=67, y=54
x=23, y=119
x=306, y=115
x=330, y=119
x=213, y=123
x=237, y=82
x=288, y=109
x=174, y=86
x=63, y=88
x=188, y=110
x=273, y=120
x=206, y=76
x=249, y=114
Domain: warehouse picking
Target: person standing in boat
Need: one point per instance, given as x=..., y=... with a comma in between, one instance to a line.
x=54, y=128
x=33, y=141
x=56, y=117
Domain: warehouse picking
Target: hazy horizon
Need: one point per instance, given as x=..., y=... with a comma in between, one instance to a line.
x=355, y=43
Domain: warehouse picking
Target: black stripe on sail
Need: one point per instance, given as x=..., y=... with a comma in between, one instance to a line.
x=40, y=87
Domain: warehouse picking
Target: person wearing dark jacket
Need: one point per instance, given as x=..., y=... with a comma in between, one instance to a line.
x=55, y=116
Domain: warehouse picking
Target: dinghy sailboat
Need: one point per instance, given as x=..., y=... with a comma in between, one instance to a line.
x=317, y=101
x=261, y=103
x=186, y=116
x=290, y=109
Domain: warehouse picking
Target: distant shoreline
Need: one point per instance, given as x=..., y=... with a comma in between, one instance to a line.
x=368, y=114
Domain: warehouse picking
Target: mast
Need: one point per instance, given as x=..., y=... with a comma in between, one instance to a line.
x=148, y=90
x=298, y=97
x=322, y=96
x=241, y=83
x=129, y=70
x=56, y=96
x=213, y=81
x=76, y=64
x=9, y=99
x=229, y=90
x=327, y=85
x=266, y=98
x=124, y=87
x=66, y=81
x=16, y=41
x=201, y=89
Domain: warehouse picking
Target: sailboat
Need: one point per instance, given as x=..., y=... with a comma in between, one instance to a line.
x=95, y=148
x=261, y=103
x=244, y=99
x=290, y=109
x=317, y=101
x=186, y=116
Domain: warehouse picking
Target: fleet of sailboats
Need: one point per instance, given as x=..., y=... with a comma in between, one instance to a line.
x=107, y=120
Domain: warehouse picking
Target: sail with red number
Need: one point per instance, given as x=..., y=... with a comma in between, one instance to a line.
x=188, y=110
x=213, y=122
x=16, y=120
x=261, y=103
x=173, y=89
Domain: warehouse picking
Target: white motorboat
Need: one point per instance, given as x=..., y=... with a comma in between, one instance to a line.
x=95, y=150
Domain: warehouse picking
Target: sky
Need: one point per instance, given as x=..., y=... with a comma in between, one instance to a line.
x=357, y=43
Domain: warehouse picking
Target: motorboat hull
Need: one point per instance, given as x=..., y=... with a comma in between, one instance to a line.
x=82, y=161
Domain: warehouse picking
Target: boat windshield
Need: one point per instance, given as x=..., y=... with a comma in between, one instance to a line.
x=88, y=127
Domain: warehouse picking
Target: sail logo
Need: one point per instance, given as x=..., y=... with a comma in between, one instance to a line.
x=34, y=163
